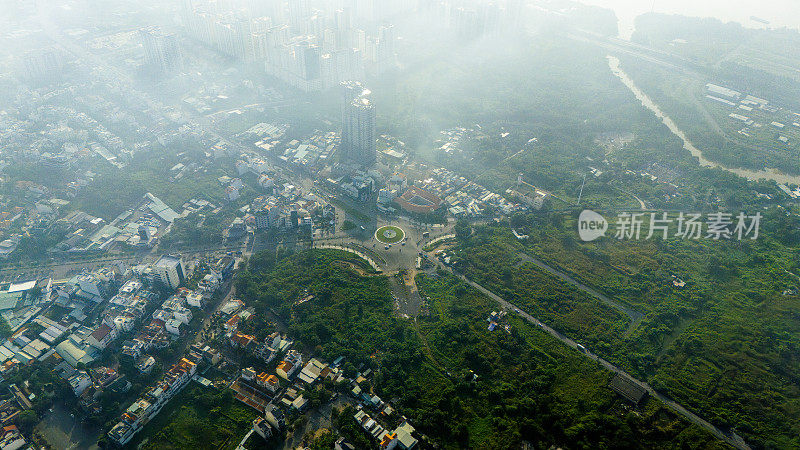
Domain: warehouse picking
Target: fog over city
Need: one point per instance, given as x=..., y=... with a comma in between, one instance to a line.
x=399, y=224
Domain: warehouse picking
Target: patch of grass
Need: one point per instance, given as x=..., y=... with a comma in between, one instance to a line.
x=198, y=418
x=390, y=234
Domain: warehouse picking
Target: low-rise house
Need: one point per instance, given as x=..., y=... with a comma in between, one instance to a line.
x=210, y=283
x=12, y=439
x=405, y=440
x=149, y=405
x=271, y=383
x=265, y=353
x=133, y=349
x=104, y=376
x=102, y=336
x=196, y=299
x=285, y=370
x=275, y=416
x=313, y=370
x=232, y=323
x=124, y=323
x=79, y=382
x=248, y=374
x=146, y=364
x=8, y=411
x=76, y=350
x=300, y=403
x=173, y=326
x=208, y=353
x=183, y=314
x=262, y=427
x=241, y=340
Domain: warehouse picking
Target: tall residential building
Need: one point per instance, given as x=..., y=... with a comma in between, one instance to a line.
x=309, y=62
x=340, y=65
x=170, y=270
x=385, y=50
x=43, y=63
x=266, y=8
x=358, y=126
x=299, y=12
x=342, y=19
x=161, y=51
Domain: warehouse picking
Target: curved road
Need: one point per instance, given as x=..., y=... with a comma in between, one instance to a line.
x=344, y=248
x=634, y=315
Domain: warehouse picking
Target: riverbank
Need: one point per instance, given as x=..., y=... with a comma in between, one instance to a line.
x=647, y=102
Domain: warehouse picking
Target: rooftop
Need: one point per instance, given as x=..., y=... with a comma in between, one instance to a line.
x=627, y=388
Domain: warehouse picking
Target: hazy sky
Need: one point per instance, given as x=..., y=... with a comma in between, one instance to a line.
x=780, y=13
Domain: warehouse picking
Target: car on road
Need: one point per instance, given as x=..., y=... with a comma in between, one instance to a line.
x=386, y=247
x=581, y=348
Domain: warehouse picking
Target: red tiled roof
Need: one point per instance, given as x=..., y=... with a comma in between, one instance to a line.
x=101, y=332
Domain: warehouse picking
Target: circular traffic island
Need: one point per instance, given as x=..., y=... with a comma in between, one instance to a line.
x=389, y=234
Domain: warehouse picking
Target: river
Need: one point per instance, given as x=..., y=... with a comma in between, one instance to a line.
x=769, y=174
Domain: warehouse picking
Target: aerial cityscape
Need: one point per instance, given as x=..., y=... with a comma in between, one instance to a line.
x=399, y=224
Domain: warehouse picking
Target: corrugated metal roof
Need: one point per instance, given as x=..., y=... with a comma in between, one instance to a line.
x=21, y=286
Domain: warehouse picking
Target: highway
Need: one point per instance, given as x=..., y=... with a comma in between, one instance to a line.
x=65, y=268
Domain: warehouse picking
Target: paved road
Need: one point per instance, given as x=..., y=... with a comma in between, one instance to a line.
x=730, y=438
x=642, y=204
x=66, y=268
x=245, y=438
x=344, y=248
x=634, y=315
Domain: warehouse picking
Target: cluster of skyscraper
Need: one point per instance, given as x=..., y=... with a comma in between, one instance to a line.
x=307, y=47
x=472, y=18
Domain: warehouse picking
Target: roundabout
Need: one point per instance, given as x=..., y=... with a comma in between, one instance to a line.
x=389, y=234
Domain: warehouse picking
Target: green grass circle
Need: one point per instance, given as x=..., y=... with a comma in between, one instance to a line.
x=390, y=234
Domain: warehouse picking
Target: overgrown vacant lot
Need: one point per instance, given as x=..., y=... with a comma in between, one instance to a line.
x=725, y=345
